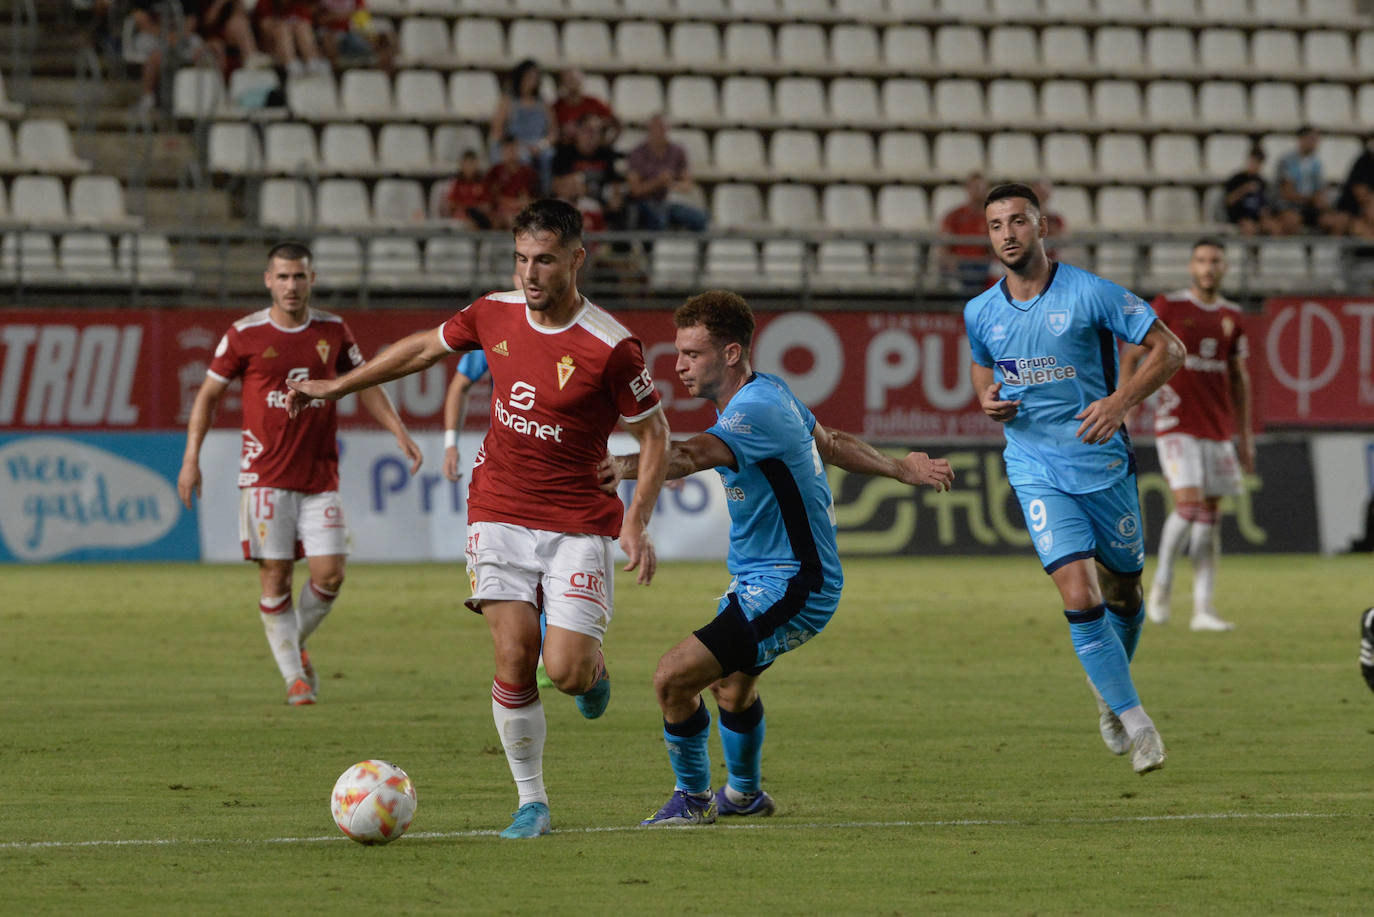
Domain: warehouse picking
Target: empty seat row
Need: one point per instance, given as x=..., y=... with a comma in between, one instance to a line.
x=403, y=262
x=343, y=148
x=94, y=200
x=344, y=202
x=39, y=145
x=89, y=257
x=858, y=48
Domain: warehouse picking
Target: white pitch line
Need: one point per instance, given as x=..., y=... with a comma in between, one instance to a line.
x=770, y=825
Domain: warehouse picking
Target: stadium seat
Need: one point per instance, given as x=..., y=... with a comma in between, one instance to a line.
x=748, y=45
x=338, y=261
x=754, y=9
x=843, y=262
x=1328, y=52
x=1364, y=51
x=477, y=42
x=960, y=102
x=903, y=207
x=1329, y=106
x=1119, y=49
x=853, y=101
x=1121, y=157
x=1117, y=102
x=1283, y=265
x=1275, y=51
x=1075, y=206
x=850, y=154
x=197, y=92
x=587, y=43
x=313, y=97
x=945, y=198
x=88, y=256
x=905, y=46
x=847, y=206
x=1223, y=103
x=793, y=206
x=1224, y=154
x=420, y=94
x=736, y=206
x=38, y=199
x=1012, y=102
x=1120, y=262
x=473, y=94
x=442, y=8
x=1121, y=208
x=343, y=202
x=404, y=149
x=1017, y=10
x=1170, y=103
x=9, y=160
x=1168, y=265
x=903, y=155
x=801, y=100
x=148, y=255
x=746, y=99
x=290, y=147
x=730, y=262
x=1065, y=102
x=697, y=146
x=1070, y=11
x=30, y=256
x=346, y=149
x=694, y=45
x=396, y=201
x=1065, y=48
x=702, y=9
x=366, y=94
x=1128, y=10
x=1067, y=155
x=1223, y=10
x=1333, y=12
x=1224, y=52
x=905, y=101
x=692, y=99
x=1287, y=12
x=636, y=96
x=1174, y=11
x=1175, y=208
x=424, y=41
x=805, y=9
x=535, y=39
x=8, y=107
x=450, y=140
x=1337, y=153
x=1015, y=48
x=393, y=262
x=640, y=44
x=862, y=10
x=249, y=88
x=1013, y=155
x=854, y=48
x=45, y=145
x=1175, y=156
x=99, y=200
x=233, y=148
x=1275, y=105
x=450, y=257
x=1170, y=50
x=1364, y=104
x=801, y=47
x=794, y=154
x=901, y=9
x=675, y=263
x=649, y=9
x=285, y=202
x=958, y=153
x=738, y=152
x=958, y=48
x=783, y=263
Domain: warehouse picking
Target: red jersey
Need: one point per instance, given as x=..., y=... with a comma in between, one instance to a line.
x=465, y=194
x=300, y=454
x=566, y=112
x=1197, y=399
x=556, y=395
x=966, y=220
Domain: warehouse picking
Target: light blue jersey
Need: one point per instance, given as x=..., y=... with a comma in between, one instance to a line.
x=473, y=364
x=1056, y=354
x=782, y=515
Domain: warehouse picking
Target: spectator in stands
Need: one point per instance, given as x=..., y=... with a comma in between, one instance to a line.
x=287, y=28
x=149, y=44
x=1302, y=201
x=224, y=27
x=344, y=29
x=467, y=198
x=1249, y=200
x=572, y=104
x=511, y=183
x=1355, y=206
x=662, y=193
x=589, y=155
x=523, y=114
x=967, y=265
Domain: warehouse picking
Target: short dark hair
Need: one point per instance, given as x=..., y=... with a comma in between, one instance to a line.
x=290, y=250
x=1209, y=240
x=549, y=214
x=1012, y=189
x=724, y=314
x=517, y=74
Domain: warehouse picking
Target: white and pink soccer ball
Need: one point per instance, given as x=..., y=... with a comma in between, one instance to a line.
x=373, y=802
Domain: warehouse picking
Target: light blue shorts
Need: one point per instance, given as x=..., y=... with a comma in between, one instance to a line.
x=762, y=617
x=1105, y=524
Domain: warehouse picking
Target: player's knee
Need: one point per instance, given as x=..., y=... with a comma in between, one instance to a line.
x=572, y=677
x=1122, y=592
x=329, y=582
x=670, y=683
x=732, y=697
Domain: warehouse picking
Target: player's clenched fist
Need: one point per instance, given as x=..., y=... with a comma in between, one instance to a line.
x=993, y=406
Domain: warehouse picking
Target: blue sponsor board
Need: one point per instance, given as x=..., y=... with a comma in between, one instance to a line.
x=93, y=496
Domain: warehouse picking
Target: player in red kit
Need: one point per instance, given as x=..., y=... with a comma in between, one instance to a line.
x=1196, y=414
x=540, y=526
x=289, y=503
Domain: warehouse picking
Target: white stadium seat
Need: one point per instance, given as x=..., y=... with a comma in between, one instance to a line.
x=366, y=93
x=587, y=43
x=38, y=199
x=850, y=153
x=404, y=148
x=793, y=206
x=739, y=152
x=801, y=100
x=903, y=207
x=802, y=47
x=285, y=202
x=694, y=44
x=346, y=149
x=99, y=199
x=746, y=99
x=233, y=148
x=420, y=94
x=795, y=153
x=1176, y=156
x=905, y=101
x=343, y=202
x=290, y=146
x=958, y=153
x=847, y=206
x=903, y=155
x=473, y=94
x=398, y=201
x=533, y=38
x=1121, y=156
x=1013, y=155
x=736, y=206
x=854, y=101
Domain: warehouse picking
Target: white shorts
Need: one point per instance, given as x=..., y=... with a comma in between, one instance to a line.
x=277, y=524
x=568, y=576
x=1208, y=464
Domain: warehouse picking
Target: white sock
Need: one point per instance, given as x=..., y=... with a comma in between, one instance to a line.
x=1203, y=553
x=1171, y=542
x=1135, y=719
x=279, y=621
x=737, y=797
x=519, y=717
x=314, y=604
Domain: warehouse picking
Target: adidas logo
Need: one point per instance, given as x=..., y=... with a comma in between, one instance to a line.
x=501, y=350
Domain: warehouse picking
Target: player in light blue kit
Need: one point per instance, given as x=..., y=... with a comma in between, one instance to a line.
x=472, y=367
x=1044, y=347
x=769, y=451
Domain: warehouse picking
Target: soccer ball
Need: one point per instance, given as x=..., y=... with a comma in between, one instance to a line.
x=373, y=802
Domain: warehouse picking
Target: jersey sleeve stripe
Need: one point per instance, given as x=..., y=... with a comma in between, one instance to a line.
x=217, y=377
x=638, y=417
x=442, y=341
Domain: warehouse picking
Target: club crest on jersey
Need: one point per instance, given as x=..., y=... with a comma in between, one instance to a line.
x=1044, y=542
x=565, y=370
x=501, y=349
x=1057, y=320
x=1034, y=370
x=322, y=348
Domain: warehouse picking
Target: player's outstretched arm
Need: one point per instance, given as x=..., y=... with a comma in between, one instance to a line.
x=652, y=434
x=378, y=403
x=408, y=355
x=202, y=415
x=684, y=458
x=847, y=451
x=1163, y=356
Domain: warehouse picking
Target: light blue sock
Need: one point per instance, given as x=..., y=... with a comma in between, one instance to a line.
x=543, y=629
x=1103, y=657
x=687, y=750
x=741, y=735
x=1127, y=627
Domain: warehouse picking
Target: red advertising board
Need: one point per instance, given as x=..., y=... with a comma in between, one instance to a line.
x=1313, y=363
x=879, y=374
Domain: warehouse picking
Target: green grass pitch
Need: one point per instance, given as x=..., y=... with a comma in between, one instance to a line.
x=934, y=751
